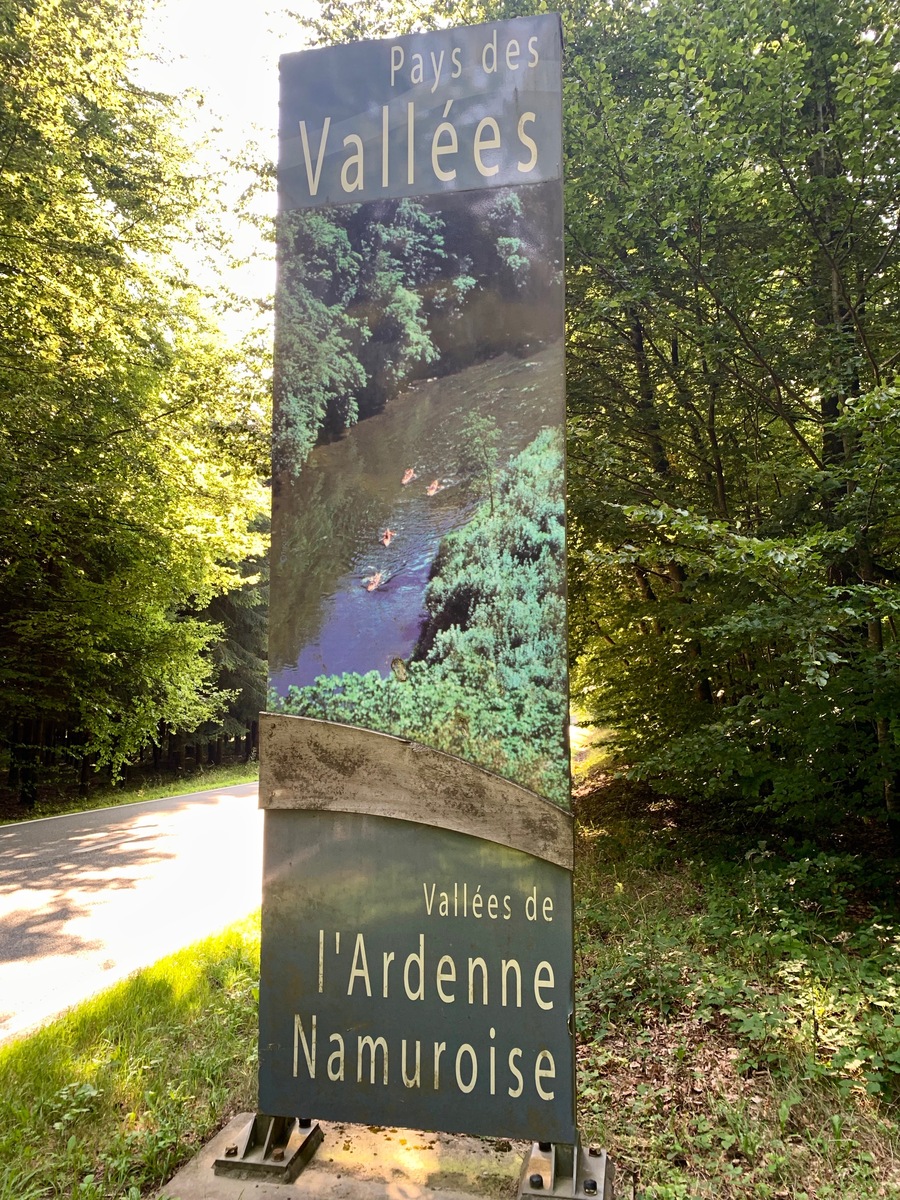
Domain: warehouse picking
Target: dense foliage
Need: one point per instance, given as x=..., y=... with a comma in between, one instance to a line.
x=131, y=440
x=372, y=295
x=486, y=680
x=733, y=341
x=732, y=274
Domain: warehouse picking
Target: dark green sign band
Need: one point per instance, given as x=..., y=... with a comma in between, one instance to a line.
x=452, y=110
x=412, y=975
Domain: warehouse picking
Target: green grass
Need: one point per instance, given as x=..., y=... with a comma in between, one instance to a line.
x=149, y=789
x=738, y=1010
x=109, y=1100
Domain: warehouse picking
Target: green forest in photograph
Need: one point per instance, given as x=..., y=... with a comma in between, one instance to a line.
x=485, y=680
x=451, y=308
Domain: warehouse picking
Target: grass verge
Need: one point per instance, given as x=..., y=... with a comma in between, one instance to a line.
x=111, y=797
x=109, y=1100
x=737, y=1011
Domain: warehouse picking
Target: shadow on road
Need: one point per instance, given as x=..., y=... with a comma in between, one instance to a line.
x=83, y=857
x=25, y=933
x=53, y=862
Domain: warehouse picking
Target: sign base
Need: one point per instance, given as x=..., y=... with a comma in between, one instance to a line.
x=365, y=1162
x=272, y=1148
x=570, y=1171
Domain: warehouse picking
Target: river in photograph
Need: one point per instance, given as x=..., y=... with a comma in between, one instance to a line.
x=355, y=535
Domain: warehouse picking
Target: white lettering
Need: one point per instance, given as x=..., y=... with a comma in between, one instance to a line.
x=359, y=956
x=491, y=47
x=410, y=143
x=465, y=1048
x=437, y=149
x=439, y=1048
x=446, y=976
x=417, y=960
x=385, y=133
x=483, y=143
x=414, y=1082
x=374, y=1045
x=473, y=963
x=506, y=966
x=312, y=177
x=540, y=982
x=309, y=1050
x=354, y=160
x=336, y=1060
x=517, y=1091
x=436, y=68
x=397, y=57
x=388, y=959
x=540, y=1073
x=528, y=142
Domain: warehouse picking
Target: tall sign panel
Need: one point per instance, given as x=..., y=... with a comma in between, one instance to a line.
x=417, y=903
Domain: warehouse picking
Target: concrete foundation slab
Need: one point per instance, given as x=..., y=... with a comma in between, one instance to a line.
x=359, y=1162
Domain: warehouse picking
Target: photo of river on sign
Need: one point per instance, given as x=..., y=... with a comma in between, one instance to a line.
x=418, y=513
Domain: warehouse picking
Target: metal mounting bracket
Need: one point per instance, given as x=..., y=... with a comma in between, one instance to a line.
x=566, y=1170
x=271, y=1148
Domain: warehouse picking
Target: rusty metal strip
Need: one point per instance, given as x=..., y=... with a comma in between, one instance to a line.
x=310, y=764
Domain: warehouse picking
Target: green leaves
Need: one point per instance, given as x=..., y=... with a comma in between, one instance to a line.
x=129, y=433
x=734, y=558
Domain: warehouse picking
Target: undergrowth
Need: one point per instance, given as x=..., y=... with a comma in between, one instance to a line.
x=151, y=788
x=737, y=1012
x=737, y=1019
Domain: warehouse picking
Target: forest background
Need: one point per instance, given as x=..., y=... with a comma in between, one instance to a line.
x=734, y=455
x=732, y=276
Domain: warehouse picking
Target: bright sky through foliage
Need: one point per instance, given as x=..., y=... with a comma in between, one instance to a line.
x=226, y=53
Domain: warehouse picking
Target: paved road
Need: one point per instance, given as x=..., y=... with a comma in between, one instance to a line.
x=86, y=899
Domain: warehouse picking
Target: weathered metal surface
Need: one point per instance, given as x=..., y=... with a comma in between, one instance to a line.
x=412, y=972
x=270, y=1148
x=450, y=110
x=309, y=764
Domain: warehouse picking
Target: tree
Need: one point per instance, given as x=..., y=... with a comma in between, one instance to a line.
x=479, y=457
x=130, y=440
x=487, y=679
x=733, y=217
x=374, y=294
